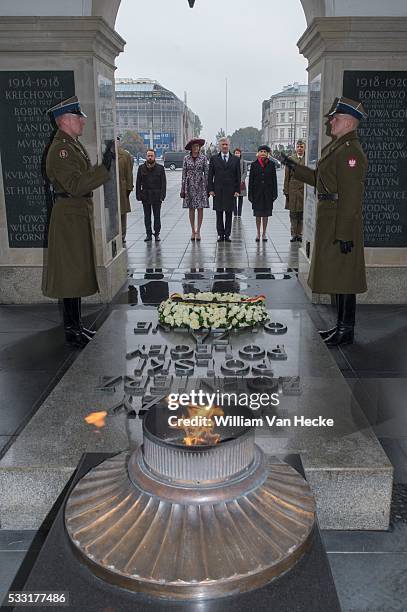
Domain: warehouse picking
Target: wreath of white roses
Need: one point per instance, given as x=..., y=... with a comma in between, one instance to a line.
x=212, y=310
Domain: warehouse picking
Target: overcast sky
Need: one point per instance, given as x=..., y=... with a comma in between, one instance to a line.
x=252, y=43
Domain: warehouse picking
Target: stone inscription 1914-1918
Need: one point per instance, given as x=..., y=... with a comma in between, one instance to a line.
x=25, y=132
x=384, y=139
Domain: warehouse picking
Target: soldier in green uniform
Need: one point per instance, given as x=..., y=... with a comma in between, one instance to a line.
x=337, y=262
x=294, y=194
x=71, y=267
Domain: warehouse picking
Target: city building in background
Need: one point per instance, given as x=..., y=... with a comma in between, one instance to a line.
x=163, y=121
x=284, y=117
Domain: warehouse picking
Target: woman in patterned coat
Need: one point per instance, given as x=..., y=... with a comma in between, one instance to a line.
x=194, y=188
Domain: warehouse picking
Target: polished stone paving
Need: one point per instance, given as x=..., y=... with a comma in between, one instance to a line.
x=176, y=251
x=369, y=567
x=347, y=470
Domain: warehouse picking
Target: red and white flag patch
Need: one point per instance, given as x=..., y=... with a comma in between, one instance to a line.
x=352, y=162
x=63, y=154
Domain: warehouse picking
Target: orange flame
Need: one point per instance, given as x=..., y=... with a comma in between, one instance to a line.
x=96, y=418
x=254, y=300
x=203, y=433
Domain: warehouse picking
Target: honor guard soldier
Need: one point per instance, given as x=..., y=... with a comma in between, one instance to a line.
x=294, y=194
x=337, y=262
x=71, y=266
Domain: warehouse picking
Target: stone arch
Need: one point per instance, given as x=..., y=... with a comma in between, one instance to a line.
x=313, y=9
x=108, y=9
x=341, y=35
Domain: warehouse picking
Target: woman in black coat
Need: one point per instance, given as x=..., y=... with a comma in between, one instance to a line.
x=262, y=189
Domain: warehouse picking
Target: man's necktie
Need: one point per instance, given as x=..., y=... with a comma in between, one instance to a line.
x=225, y=159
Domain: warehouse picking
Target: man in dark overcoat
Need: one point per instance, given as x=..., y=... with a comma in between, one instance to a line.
x=224, y=187
x=71, y=266
x=337, y=262
x=151, y=187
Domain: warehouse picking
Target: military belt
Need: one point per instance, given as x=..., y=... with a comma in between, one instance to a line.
x=328, y=196
x=65, y=194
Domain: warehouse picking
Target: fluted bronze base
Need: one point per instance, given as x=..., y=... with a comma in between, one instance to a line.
x=179, y=542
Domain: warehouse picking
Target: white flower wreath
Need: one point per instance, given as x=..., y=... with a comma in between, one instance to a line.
x=212, y=310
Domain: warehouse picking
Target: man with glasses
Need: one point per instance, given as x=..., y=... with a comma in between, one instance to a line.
x=337, y=262
x=71, y=265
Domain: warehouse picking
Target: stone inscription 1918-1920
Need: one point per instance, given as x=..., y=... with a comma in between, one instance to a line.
x=384, y=139
x=24, y=134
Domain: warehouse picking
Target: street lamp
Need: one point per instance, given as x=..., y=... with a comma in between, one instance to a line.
x=191, y=3
x=152, y=123
x=295, y=122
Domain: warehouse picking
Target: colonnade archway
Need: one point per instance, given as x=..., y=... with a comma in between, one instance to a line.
x=76, y=42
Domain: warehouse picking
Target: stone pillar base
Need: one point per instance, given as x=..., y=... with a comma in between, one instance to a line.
x=22, y=284
x=385, y=284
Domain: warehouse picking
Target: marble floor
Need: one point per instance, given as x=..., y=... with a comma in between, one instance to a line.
x=176, y=250
x=369, y=568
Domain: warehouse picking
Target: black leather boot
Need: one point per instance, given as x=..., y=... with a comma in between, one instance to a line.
x=73, y=333
x=89, y=332
x=78, y=319
x=325, y=333
x=345, y=330
x=339, y=313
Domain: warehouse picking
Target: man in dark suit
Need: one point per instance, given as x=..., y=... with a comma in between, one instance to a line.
x=224, y=187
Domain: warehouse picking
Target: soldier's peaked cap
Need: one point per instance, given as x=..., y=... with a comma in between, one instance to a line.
x=346, y=106
x=71, y=105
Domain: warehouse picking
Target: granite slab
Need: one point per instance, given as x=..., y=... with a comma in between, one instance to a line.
x=348, y=471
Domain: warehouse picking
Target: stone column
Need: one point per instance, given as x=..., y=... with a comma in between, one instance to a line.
x=43, y=60
x=366, y=58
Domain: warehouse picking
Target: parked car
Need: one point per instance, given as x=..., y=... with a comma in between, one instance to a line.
x=276, y=162
x=173, y=159
x=249, y=157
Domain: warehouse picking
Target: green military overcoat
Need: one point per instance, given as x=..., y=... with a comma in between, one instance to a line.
x=293, y=188
x=71, y=265
x=125, y=178
x=341, y=169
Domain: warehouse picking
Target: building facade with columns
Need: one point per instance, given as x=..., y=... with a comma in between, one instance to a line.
x=359, y=48
x=163, y=120
x=285, y=117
